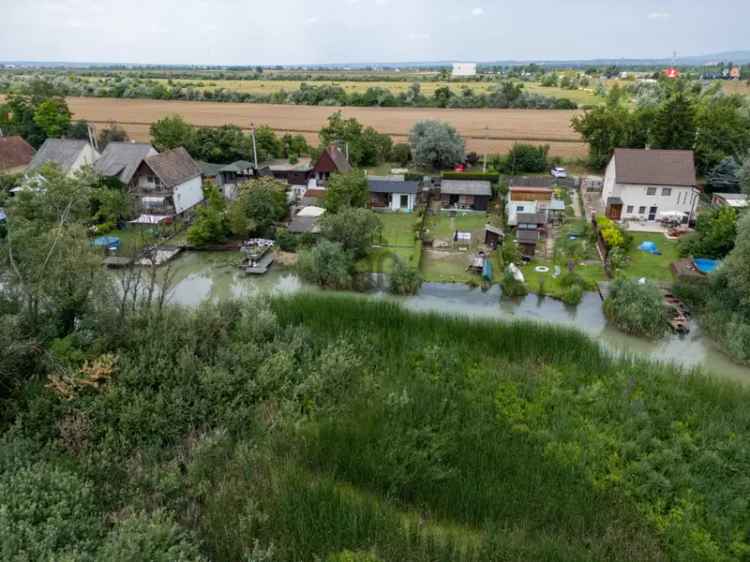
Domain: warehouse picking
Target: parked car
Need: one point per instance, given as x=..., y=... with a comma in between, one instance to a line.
x=559, y=172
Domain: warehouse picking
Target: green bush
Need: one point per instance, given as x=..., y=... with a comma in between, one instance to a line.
x=404, y=279
x=636, y=308
x=327, y=264
x=512, y=288
x=572, y=294
x=286, y=240
x=492, y=177
x=401, y=153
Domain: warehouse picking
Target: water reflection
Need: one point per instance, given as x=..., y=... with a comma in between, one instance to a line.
x=214, y=277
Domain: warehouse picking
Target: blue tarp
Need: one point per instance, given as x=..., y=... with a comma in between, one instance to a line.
x=107, y=242
x=649, y=247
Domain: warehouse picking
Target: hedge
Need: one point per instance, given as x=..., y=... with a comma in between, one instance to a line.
x=492, y=177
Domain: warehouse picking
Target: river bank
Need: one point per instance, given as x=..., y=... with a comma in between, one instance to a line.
x=210, y=276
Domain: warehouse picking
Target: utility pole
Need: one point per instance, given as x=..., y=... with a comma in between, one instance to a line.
x=255, y=149
x=92, y=137
x=486, y=138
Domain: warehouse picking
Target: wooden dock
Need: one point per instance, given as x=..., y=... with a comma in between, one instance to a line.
x=159, y=255
x=258, y=267
x=680, y=315
x=116, y=262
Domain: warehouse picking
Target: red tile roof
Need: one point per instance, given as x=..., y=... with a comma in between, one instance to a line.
x=14, y=153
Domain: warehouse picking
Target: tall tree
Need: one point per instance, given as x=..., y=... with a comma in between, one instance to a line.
x=171, y=132
x=346, y=190
x=674, y=123
x=367, y=147
x=436, y=144
x=723, y=129
x=53, y=117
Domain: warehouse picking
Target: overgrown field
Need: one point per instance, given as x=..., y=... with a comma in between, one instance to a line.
x=340, y=429
x=485, y=130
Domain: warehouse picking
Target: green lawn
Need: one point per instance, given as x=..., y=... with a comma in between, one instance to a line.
x=398, y=228
x=643, y=264
x=442, y=226
x=592, y=272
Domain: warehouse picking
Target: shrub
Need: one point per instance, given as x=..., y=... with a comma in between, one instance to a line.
x=513, y=288
x=401, y=153
x=404, y=280
x=327, y=265
x=572, y=295
x=510, y=251
x=636, y=308
x=613, y=235
x=355, y=229
x=286, y=240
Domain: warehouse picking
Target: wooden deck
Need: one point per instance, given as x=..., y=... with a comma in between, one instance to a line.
x=261, y=266
x=159, y=256
x=116, y=262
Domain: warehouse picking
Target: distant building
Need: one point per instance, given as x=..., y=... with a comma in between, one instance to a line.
x=15, y=155
x=672, y=72
x=464, y=69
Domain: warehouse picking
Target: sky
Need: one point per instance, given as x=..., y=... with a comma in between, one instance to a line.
x=268, y=32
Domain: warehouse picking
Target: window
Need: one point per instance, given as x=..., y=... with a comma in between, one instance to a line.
x=666, y=192
x=641, y=210
x=630, y=209
x=650, y=191
x=519, y=208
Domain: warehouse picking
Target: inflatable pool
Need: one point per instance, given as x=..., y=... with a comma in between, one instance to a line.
x=705, y=265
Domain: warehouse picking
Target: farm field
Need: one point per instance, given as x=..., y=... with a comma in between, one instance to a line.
x=485, y=130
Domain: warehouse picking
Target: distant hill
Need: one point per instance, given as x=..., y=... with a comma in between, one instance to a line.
x=737, y=57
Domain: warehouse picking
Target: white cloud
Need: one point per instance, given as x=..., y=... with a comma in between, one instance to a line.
x=312, y=20
x=477, y=12
x=419, y=36
x=381, y=2
x=659, y=16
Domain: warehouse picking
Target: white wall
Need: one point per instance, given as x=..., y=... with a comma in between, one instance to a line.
x=512, y=210
x=681, y=199
x=187, y=195
x=396, y=202
x=608, y=187
x=87, y=157
x=464, y=69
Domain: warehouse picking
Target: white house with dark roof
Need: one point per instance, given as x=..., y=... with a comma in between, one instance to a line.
x=68, y=154
x=166, y=185
x=392, y=194
x=649, y=184
x=121, y=160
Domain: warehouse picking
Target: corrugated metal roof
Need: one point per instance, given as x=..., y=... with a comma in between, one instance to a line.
x=466, y=187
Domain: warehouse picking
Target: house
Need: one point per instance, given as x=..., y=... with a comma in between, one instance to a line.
x=493, y=236
x=646, y=184
x=528, y=199
x=735, y=200
x=527, y=241
x=464, y=69
x=394, y=195
x=68, y=154
x=296, y=172
x=306, y=220
x=465, y=194
x=120, y=160
x=15, y=155
x=227, y=177
x=314, y=196
x=166, y=185
x=331, y=161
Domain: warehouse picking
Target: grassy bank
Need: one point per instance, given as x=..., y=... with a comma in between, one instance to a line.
x=318, y=424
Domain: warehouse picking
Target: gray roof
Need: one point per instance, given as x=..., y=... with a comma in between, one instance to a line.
x=532, y=181
x=237, y=166
x=63, y=152
x=466, y=187
x=208, y=169
x=304, y=224
x=121, y=159
x=531, y=218
x=527, y=236
x=732, y=196
x=385, y=186
x=654, y=167
x=173, y=167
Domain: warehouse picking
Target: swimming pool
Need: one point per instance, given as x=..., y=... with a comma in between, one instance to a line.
x=705, y=265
